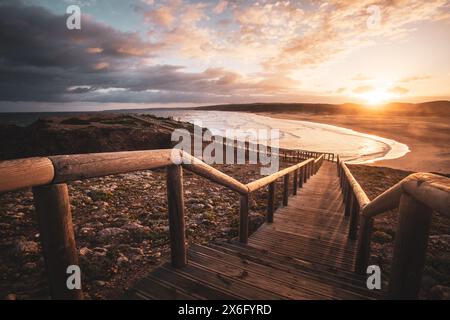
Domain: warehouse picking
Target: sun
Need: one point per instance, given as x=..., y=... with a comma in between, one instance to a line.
x=375, y=97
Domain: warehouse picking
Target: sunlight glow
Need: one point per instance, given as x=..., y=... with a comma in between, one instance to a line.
x=376, y=97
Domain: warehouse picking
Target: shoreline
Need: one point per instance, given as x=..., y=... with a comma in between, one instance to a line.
x=426, y=137
x=360, y=147
x=366, y=158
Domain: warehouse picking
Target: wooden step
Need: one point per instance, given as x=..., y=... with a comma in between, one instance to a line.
x=338, y=277
x=276, y=276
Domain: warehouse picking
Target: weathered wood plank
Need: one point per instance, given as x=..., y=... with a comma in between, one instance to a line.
x=57, y=237
x=22, y=173
x=175, y=201
x=82, y=166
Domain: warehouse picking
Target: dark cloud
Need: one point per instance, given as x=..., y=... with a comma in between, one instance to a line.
x=41, y=60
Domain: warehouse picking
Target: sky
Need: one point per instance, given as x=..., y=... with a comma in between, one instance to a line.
x=169, y=53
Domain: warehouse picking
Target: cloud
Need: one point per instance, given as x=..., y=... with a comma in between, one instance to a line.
x=162, y=16
x=43, y=61
x=414, y=78
x=282, y=36
x=362, y=89
x=342, y=26
x=360, y=77
x=220, y=7
x=398, y=90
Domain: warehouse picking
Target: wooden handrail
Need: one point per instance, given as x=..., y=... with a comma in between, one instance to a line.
x=202, y=169
x=261, y=183
x=83, y=166
x=358, y=191
x=416, y=196
x=23, y=173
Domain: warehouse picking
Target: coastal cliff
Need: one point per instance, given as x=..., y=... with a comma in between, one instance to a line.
x=91, y=133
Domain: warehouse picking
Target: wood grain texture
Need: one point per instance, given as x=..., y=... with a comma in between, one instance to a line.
x=57, y=238
x=410, y=247
x=23, y=173
x=175, y=201
x=83, y=166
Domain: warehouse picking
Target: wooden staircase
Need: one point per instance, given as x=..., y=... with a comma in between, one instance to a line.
x=304, y=254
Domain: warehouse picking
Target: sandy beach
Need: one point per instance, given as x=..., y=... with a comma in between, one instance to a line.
x=427, y=137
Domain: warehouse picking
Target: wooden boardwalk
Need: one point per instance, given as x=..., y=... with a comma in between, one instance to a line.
x=304, y=254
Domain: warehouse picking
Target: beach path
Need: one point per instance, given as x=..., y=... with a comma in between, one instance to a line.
x=304, y=254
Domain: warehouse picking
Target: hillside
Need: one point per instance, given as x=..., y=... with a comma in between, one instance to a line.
x=433, y=108
x=101, y=132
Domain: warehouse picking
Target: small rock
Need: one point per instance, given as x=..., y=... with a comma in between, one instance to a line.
x=11, y=296
x=110, y=233
x=99, y=251
x=132, y=226
x=122, y=260
x=30, y=266
x=87, y=231
x=100, y=283
x=19, y=215
x=27, y=247
x=96, y=224
x=164, y=228
x=207, y=222
x=85, y=251
x=428, y=282
x=197, y=206
x=381, y=237
x=440, y=292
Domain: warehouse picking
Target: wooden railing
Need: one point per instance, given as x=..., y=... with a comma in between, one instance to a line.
x=416, y=196
x=49, y=176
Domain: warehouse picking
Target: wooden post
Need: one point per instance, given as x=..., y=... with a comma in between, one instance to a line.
x=310, y=169
x=300, y=178
x=349, y=200
x=295, y=182
x=410, y=248
x=345, y=188
x=354, y=217
x=235, y=150
x=305, y=174
x=363, y=247
x=57, y=238
x=338, y=168
x=286, y=190
x=243, y=219
x=247, y=153
x=175, y=203
x=224, y=151
x=271, y=202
